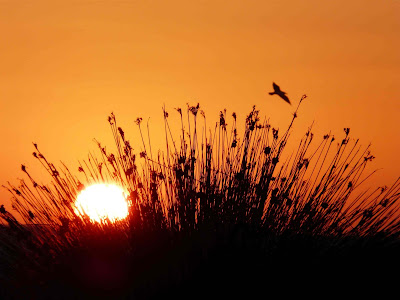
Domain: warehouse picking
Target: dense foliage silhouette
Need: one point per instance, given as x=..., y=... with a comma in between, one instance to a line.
x=211, y=212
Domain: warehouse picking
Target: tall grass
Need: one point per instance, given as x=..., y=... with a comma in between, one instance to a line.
x=208, y=198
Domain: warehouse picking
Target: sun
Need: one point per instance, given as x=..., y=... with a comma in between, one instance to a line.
x=101, y=202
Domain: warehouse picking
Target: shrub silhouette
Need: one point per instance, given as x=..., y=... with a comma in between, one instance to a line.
x=211, y=211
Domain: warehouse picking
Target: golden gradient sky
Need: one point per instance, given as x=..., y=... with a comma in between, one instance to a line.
x=65, y=65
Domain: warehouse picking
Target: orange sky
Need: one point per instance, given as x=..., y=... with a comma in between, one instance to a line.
x=65, y=65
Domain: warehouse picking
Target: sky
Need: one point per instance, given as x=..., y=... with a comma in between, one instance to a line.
x=66, y=65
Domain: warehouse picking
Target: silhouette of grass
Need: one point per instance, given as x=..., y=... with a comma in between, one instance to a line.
x=211, y=211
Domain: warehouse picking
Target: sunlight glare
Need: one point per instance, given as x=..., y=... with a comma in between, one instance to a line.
x=102, y=201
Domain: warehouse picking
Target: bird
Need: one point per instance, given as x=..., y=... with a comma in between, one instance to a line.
x=277, y=91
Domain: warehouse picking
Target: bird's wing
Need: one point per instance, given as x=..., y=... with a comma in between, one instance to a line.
x=284, y=97
x=276, y=87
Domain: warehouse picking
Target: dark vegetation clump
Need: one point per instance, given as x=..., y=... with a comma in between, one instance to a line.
x=213, y=213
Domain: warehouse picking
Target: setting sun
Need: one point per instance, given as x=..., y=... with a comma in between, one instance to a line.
x=102, y=201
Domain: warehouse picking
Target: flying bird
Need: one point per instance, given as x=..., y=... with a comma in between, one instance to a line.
x=277, y=91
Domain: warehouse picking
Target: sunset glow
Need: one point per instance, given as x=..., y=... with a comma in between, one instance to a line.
x=102, y=201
